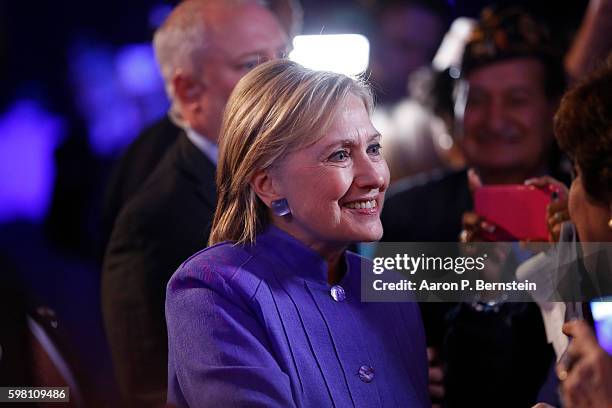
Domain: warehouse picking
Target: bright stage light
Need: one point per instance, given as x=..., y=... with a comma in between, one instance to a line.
x=343, y=53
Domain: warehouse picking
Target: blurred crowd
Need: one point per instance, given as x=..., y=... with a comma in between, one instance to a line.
x=112, y=174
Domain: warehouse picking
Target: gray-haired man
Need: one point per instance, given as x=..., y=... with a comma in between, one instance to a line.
x=203, y=49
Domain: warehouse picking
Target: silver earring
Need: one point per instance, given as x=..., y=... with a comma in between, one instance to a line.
x=281, y=207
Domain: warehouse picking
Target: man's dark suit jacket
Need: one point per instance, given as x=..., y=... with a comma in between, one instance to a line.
x=490, y=359
x=165, y=222
x=133, y=168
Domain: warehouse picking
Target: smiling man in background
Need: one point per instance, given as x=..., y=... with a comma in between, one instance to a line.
x=511, y=82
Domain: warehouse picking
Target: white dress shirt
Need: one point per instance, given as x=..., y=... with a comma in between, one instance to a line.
x=210, y=149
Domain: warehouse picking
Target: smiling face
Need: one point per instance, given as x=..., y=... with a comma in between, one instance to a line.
x=508, y=120
x=336, y=186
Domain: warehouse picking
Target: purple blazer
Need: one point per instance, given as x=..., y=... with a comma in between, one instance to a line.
x=258, y=326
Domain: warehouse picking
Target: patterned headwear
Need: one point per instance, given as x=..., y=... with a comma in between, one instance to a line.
x=507, y=33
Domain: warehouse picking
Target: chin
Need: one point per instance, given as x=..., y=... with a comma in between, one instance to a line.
x=372, y=235
x=360, y=233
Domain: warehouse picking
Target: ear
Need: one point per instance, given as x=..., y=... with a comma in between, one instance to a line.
x=186, y=89
x=266, y=187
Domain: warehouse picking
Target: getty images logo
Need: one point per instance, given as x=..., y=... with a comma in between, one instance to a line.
x=412, y=264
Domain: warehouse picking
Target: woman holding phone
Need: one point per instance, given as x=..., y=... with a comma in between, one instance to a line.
x=583, y=127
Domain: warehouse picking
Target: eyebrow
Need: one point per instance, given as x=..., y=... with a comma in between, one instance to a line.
x=257, y=53
x=351, y=142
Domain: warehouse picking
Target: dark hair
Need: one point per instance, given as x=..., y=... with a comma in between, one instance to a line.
x=583, y=127
x=511, y=32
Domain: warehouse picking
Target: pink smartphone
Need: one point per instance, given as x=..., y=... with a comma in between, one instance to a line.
x=518, y=211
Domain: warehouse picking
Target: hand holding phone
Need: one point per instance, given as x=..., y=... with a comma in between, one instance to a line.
x=517, y=211
x=557, y=211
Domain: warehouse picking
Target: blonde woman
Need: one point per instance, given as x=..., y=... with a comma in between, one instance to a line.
x=269, y=314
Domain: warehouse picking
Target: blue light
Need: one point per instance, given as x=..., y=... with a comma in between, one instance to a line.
x=117, y=93
x=29, y=136
x=137, y=69
x=602, y=315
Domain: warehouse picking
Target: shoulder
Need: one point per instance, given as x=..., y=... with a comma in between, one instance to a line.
x=162, y=223
x=165, y=198
x=224, y=268
x=166, y=219
x=158, y=136
x=144, y=153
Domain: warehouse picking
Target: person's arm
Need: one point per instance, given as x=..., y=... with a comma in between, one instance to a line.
x=219, y=352
x=593, y=41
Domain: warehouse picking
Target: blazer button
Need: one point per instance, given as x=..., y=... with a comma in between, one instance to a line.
x=366, y=373
x=337, y=293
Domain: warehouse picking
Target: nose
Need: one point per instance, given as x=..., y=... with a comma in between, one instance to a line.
x=496, y=116
x=371, y=174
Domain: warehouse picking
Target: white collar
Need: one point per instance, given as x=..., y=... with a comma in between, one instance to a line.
x=210, y=149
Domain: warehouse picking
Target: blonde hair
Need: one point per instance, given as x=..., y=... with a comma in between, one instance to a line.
x=277, y=108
